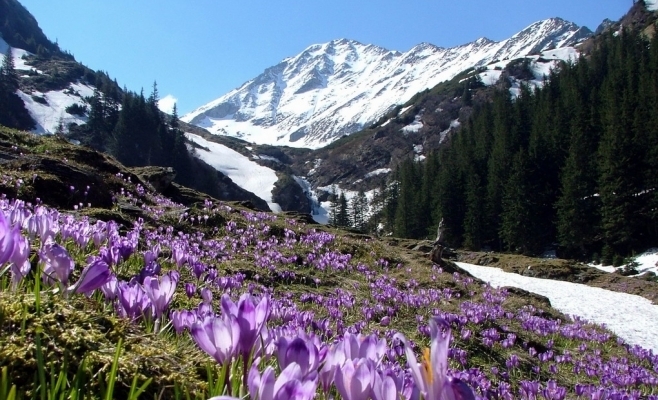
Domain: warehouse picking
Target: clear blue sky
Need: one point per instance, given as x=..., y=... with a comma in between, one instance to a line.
x=197, y=50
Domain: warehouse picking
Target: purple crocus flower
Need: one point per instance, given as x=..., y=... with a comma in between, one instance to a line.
x=334, y=359
x=110, y=288
x=358, y=346
x=190, y=290
x=179, y=255
x=553, y=391
x=300, y=350
x=529, y=389
x=384, y=388
x=133, y=301
x=354, y=379
x=218, y=337
x=431, y=377
x=182, y=319
x=7, y=237
x=206, y=295
x=290, y=384
x=20, y=262
x=161, y=291
x=45, y=224
x=57, y=264
x=250, y=317
x=93, y=276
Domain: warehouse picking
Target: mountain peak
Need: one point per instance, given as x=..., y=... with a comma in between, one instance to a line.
x=338, y=87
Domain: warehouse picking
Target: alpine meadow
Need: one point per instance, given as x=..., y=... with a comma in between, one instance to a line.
x=477, y=221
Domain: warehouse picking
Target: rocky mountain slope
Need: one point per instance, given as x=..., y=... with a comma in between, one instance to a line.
x=337, y=88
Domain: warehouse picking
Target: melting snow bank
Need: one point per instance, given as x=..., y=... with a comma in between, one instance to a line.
x=245, y=173
x=632, y=318
x=645, y=262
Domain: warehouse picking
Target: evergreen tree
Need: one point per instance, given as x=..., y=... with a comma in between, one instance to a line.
x=12, y=109
x=8, y=75
x=333, y=206
x=577, y=205
x=343, y=217
x=516, y=228
x=359, y=209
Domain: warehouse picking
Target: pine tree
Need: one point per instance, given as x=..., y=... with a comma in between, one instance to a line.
x=474, y=218
x=333, y=206
x=577, y=217
x=8, y=75
x=343, y=218
x=12, y=109
x=516, y=229
x=359, y=209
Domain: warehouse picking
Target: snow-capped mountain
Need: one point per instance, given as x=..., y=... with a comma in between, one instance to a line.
x=337, y=88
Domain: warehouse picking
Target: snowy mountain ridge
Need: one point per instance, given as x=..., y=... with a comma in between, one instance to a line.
x=337, y=88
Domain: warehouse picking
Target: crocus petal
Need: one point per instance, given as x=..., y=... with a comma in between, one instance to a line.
x=438, y=355
x=412, y=362
x=228, y=306
x=292, y=371
x=384, y=388
x=267, y=383
x=343, y=379
x=95, y=275
x=7, y=236
x=458, y=390
x=298, y=352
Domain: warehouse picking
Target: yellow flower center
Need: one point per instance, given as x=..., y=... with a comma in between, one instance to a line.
x=427, y=366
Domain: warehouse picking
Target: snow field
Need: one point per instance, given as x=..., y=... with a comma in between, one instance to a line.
x=244, y=172
x=632, y=318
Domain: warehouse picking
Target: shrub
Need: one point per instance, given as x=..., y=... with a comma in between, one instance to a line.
x=76, y=109
x=40, y=99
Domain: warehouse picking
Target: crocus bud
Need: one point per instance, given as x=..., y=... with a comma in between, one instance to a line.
x=190, y=290
x=57, y=263
x=95, y=275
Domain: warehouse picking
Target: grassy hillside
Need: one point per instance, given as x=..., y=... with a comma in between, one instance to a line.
x=134, y=332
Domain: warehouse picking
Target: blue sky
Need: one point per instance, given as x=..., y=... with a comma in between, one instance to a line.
x=197, y=50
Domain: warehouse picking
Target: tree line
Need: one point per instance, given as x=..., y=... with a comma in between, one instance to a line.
x=570, y=165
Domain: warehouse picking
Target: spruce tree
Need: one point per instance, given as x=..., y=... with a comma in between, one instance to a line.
x=8, y=75
x=12, y=109
x=343, y=218
x=359, y=209
x=516, y=229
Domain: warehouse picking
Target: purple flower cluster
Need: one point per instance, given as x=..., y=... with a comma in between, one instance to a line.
x=333, y=340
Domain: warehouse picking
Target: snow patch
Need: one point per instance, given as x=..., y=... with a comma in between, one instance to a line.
x=414, y=126
x=49, y=115
x=404, y=110
x=377, y=172
x=632, y=318
x=244, y=172
x=646, y=262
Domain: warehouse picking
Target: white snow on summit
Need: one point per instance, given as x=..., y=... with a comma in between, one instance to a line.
x=337, y=88
x=244, y=172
